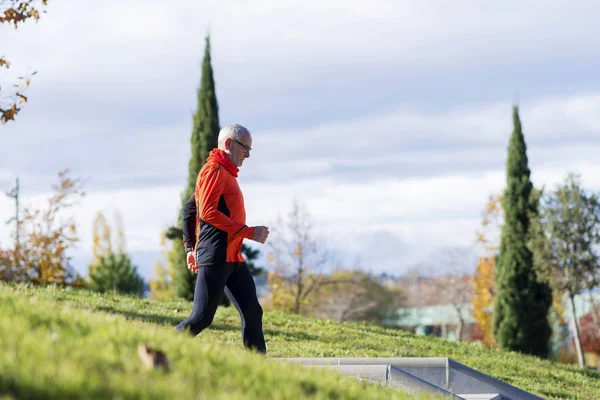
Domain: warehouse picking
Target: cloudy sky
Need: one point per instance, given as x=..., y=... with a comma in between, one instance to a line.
x=387, y=120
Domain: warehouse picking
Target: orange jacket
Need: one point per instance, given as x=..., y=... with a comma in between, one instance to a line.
x=218, y=204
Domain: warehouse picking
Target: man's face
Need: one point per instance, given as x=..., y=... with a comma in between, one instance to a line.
x=240, y=149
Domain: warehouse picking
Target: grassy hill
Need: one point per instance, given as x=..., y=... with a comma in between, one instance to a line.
x=69, y=344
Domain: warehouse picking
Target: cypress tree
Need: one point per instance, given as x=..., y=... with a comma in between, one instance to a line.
x=522, y=300
x=205, y=133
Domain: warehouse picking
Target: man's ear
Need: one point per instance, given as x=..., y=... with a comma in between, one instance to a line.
x=227, y=143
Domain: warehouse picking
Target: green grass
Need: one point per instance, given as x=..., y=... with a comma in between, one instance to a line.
x=75, y=344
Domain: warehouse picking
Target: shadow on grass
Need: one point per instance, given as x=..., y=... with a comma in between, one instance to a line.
x=160, y=319
x=174, y=321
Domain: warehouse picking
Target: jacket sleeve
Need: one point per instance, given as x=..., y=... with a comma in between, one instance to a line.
x=211, y=187
x=190, y=219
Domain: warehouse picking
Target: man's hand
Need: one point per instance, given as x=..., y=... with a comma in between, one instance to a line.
x=191, y=261
x=260, y=234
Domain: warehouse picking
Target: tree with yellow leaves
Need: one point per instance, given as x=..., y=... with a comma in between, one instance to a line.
x=484, y=282
x=101, y=240
x=15, y=12
x=161, y=287
x=482, y=301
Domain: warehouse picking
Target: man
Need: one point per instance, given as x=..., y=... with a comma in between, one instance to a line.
x=214, y=250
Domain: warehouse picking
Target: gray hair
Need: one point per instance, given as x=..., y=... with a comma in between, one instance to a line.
x=232, y=131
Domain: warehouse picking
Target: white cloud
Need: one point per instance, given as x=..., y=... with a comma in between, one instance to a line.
x=390, y=131
x=407, y=141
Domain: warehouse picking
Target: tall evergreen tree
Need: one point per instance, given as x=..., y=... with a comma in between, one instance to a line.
x=522, y=300
x=205, y=133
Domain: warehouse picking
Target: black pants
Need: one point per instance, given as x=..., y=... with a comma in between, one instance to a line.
x=237, y=282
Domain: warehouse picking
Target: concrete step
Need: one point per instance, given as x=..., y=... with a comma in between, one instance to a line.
x=438, y=375
x=493, y=396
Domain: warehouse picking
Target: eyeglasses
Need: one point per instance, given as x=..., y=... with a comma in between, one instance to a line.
x=247, y=149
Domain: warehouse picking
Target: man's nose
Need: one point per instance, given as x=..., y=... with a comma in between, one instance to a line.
x=247, y=155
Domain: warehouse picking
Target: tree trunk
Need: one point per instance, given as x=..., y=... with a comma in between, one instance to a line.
x=460, y=325
x=576, y=336
x=459, y=329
